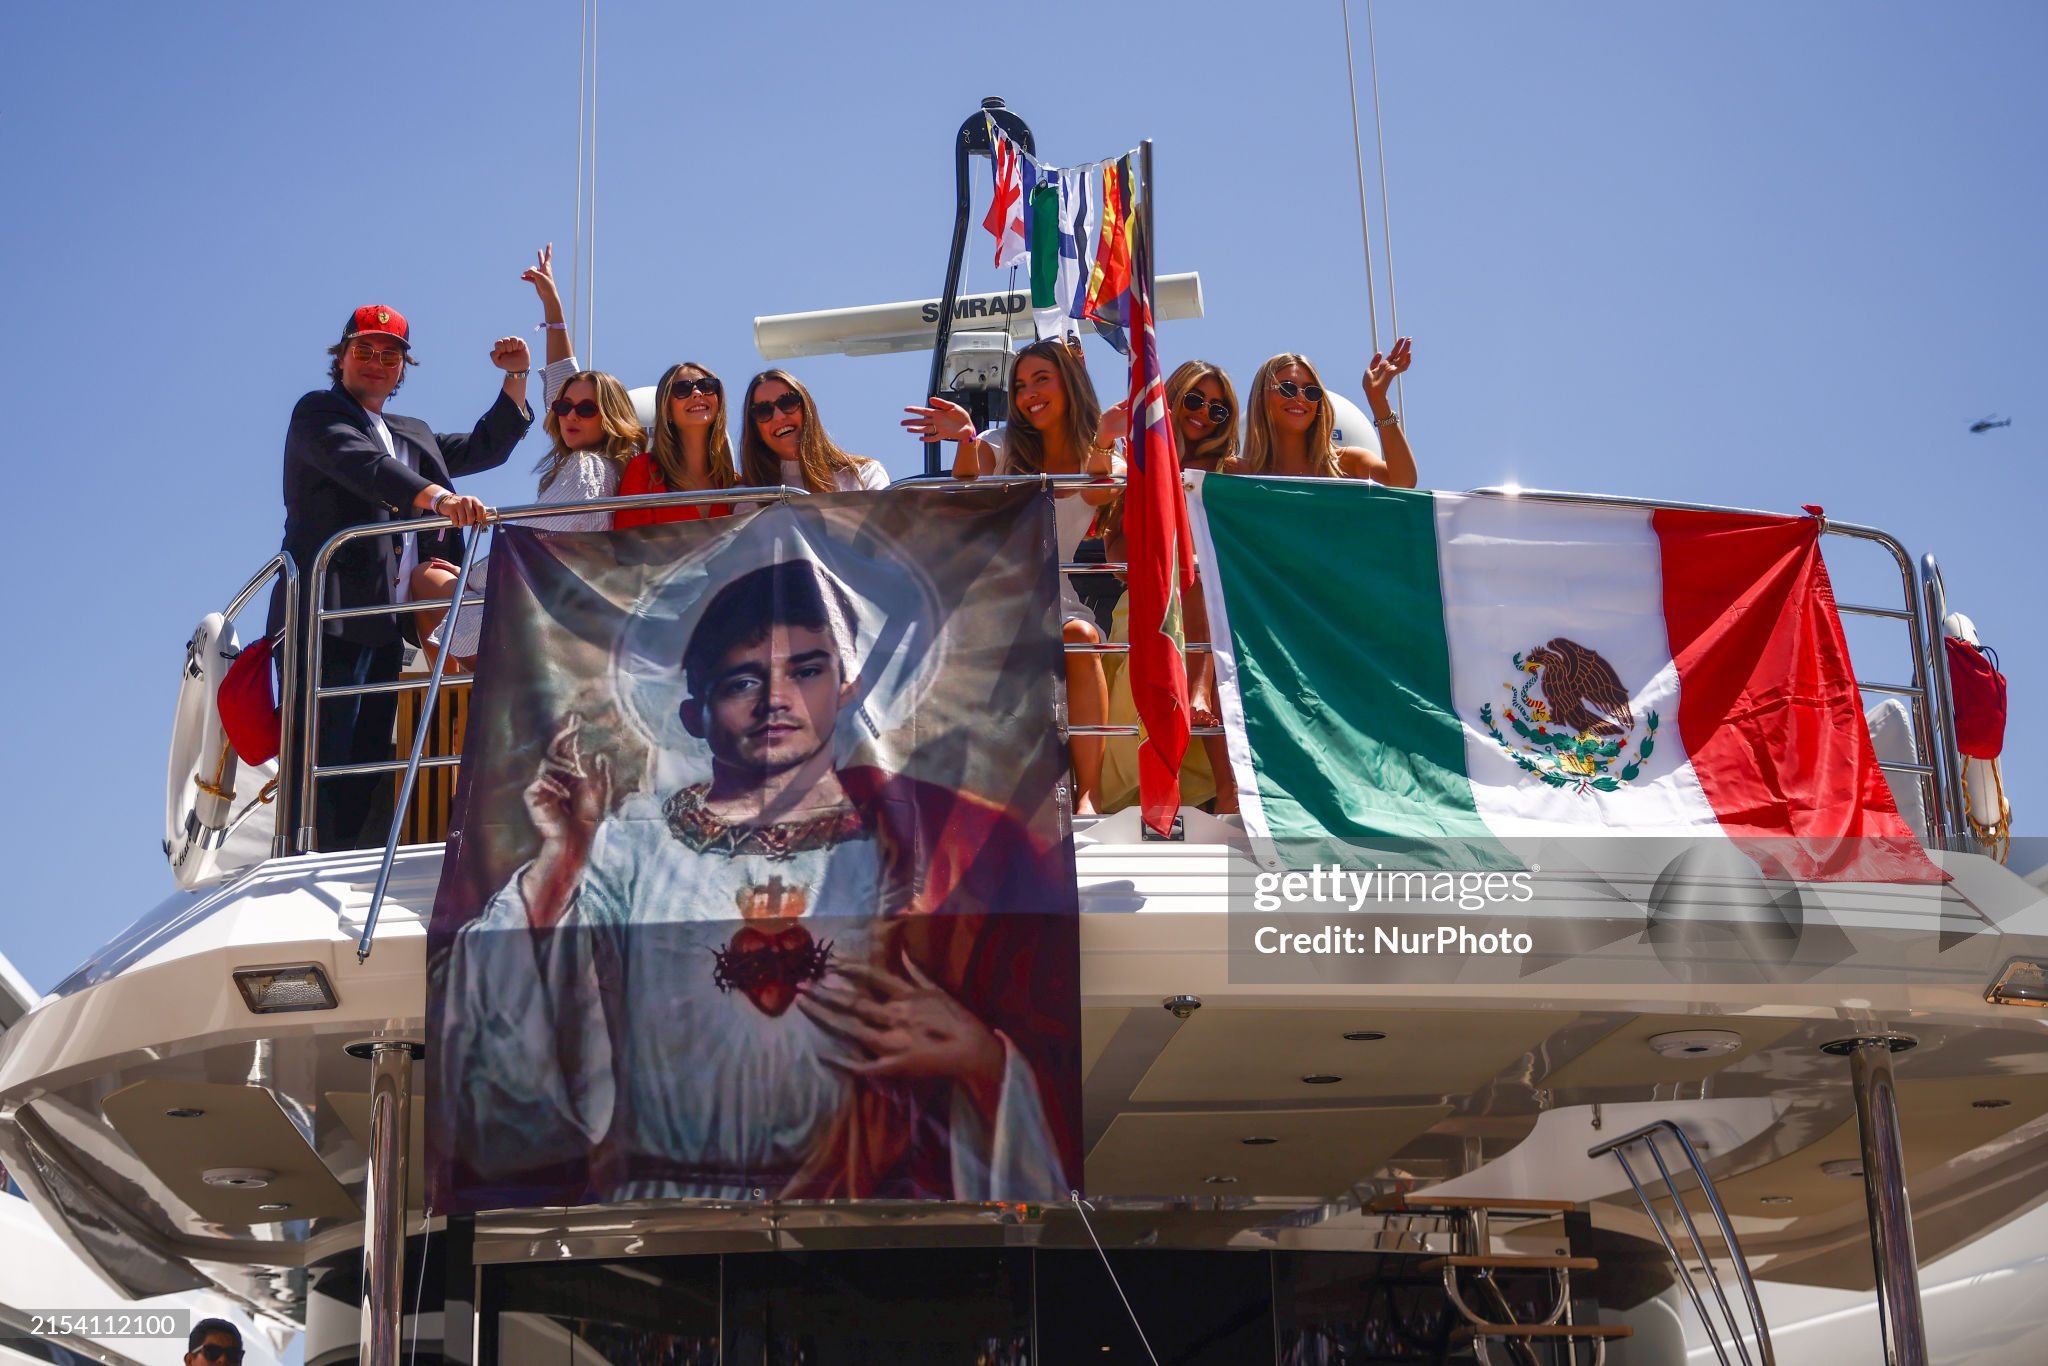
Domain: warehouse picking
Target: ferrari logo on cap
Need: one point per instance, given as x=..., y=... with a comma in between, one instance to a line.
x=383, y=315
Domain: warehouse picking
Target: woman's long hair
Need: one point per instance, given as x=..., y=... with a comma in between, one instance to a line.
x=1216, y=447
x=1220, y=444
x=815, y=451
x=668, y=441
x=1024, y=444
x=1258, y=432
x=623, y=434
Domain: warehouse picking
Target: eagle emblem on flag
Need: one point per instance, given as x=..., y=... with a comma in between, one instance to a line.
x=1579, y=732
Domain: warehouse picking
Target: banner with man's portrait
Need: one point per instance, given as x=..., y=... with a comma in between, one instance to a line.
x=761, y=884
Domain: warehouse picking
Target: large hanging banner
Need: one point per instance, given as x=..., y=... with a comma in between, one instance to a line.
x=761, y=885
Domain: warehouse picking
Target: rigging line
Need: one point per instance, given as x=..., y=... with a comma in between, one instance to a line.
x=1372, y=307
x=1081, y=1208
x=576, y=259
x=1379, y=137
x=419, y=1291
x=590, y=294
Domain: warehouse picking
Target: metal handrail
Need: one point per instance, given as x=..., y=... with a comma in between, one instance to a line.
x=278, y=565
x=1759, y=1329
x=1933, y=715
x=310, y=769
x=1933, y=601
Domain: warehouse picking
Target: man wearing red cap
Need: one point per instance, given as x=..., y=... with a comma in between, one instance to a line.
x=347, y=462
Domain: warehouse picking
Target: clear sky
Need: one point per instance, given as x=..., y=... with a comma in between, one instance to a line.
x=1763, y=255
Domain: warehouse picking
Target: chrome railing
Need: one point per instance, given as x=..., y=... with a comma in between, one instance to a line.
x=1921, y=610
x=310, y=771
x=1759, y=1332
x=279, y=566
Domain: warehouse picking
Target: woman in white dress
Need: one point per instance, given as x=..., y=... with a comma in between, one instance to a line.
x=595, y=433
x=1055, y=428
x=783, y=442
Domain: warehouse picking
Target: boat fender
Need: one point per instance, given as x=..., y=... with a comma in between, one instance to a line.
x=199, y=785
x=1984, y=800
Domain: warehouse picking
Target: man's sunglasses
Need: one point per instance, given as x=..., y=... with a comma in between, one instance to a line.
x=1287, y=388
x=1219, y=411
x=562, y=407
x=683, y=388
x=764, y=410
x=214, y=1352
x=383, y=355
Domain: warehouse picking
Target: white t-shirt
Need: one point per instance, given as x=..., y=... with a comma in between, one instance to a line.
x=408, y=544
x=865, y=474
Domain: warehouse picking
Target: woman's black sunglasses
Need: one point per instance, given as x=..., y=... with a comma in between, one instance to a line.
x=1219, y=411
x=765, y=409
x=682, y=388
x=562, y=407
x=1287, y=388
x=213, y=1351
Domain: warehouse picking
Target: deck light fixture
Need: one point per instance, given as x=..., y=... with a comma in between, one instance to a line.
x=2021, y=982
x=280, y=990
x=1989, y=1104
x=1843, y=1169
x=1256, y=1141
x=238, y=1178
x=1364, y=1036
x=183, y=1112
x=1182, y=1006
x=1321, y=1079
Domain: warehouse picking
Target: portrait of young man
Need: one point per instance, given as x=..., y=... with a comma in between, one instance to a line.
x=798, y=971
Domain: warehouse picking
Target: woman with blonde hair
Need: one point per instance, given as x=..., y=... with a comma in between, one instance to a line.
x=594, y=432
x=691, y=451
x=1201, y=403
x=1055, y=427
x=1287, y=424
x=783, y=442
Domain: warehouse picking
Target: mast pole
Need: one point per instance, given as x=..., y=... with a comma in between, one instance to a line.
x=972, y=138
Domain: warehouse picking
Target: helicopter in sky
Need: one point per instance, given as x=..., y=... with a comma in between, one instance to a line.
x=1985, y=424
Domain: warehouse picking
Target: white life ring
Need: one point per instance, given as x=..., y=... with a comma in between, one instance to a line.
x=199, y=788
x=1989, y=813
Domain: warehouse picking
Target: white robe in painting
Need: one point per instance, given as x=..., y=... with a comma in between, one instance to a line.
x=608, y=1041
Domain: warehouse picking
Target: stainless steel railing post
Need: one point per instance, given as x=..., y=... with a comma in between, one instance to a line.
x=1899, y=1313
x=383, y=1306
x=419, y=745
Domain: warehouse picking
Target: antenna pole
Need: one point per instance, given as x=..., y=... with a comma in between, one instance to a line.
x=1379, y=137
x=971, y=139
x=1372, y=307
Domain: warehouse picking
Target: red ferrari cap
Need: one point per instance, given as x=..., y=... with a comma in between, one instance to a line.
x=378, y=320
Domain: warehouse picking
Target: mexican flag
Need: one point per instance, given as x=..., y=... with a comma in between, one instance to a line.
x=1459, y=667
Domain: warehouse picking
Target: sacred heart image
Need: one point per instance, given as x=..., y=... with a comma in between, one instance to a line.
x=739, y=798
x=767, y=964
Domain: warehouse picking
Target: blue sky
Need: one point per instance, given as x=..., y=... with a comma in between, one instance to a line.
x=1763, y=255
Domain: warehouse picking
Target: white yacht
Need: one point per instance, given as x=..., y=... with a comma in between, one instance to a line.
x=1638, y=1153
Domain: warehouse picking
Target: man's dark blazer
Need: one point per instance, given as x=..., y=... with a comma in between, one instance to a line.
x=337, y=475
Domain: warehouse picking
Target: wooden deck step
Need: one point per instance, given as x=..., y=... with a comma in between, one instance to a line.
x=1582, y=1331
x=1422, y=1203
x=1514, y=1263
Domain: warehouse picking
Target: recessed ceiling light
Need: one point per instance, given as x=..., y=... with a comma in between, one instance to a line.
x=1989, y=1104
x=1219, y=1180
x=183, y=1112
x=1843, y=1168
x=1321, y=1079
x=238, y=1178
x=1364, y=1036
x=1774, y=1200
x=1258, y=1142
x=1694, y=1044
x=275, y=1207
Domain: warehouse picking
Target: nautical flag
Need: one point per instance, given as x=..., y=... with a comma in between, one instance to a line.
x=1435, y=666
x=1005, y=220
x=1080, y=228
x=1111, y=278
x=1161, y=562
x=1043, y=219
